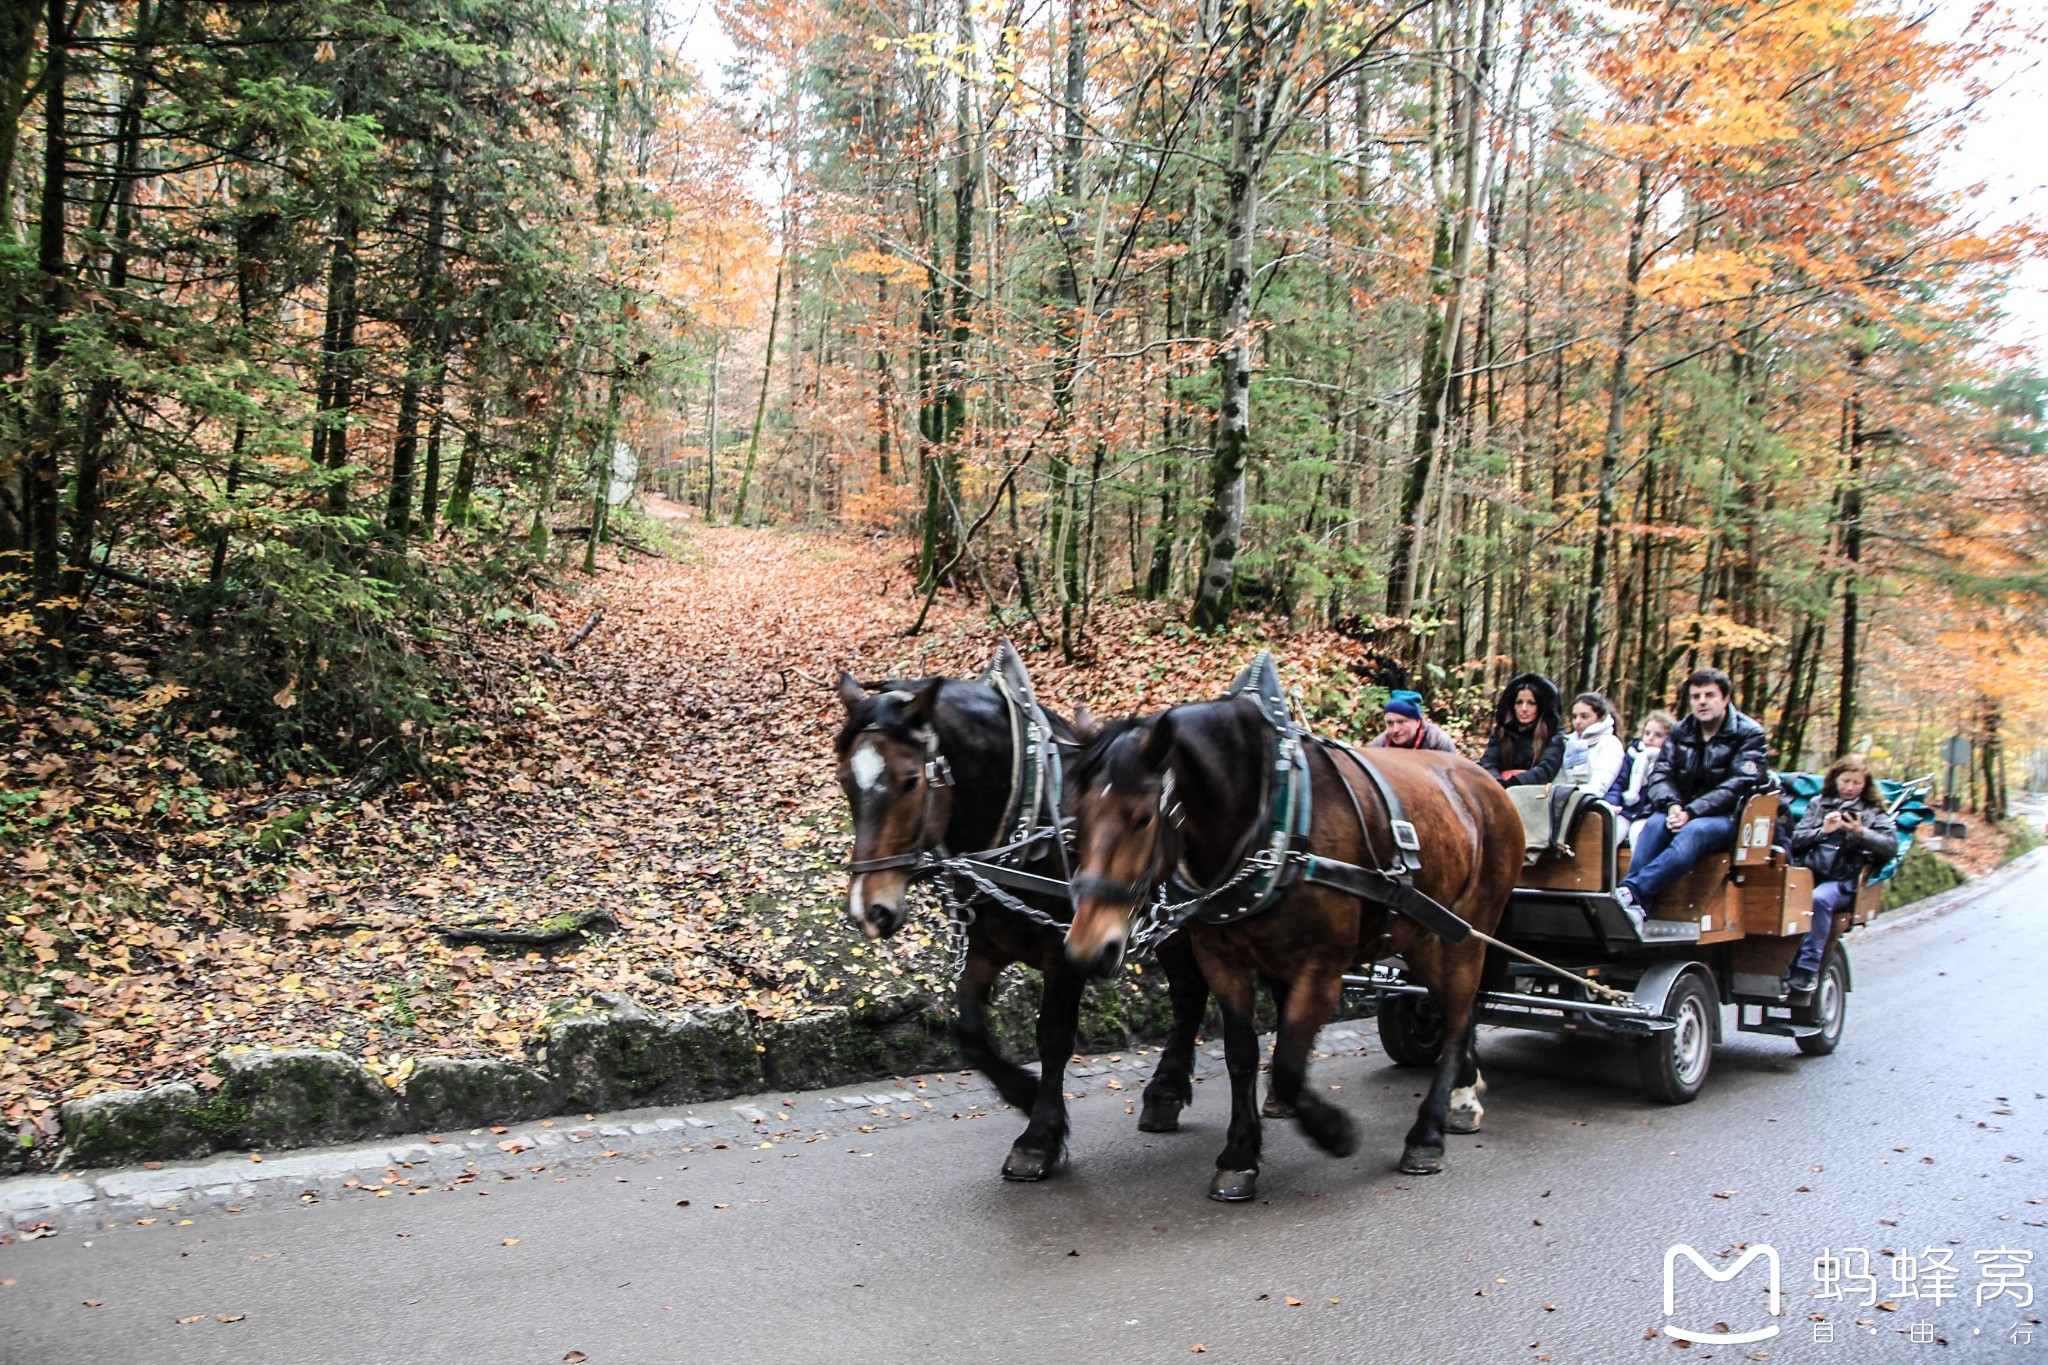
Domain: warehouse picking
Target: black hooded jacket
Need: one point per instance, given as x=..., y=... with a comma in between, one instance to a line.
x=1710, y=776
x=1513, y=746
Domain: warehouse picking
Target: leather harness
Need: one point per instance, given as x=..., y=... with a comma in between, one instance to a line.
x=1286, y=856
x=1264, y=871
x=1030, y=815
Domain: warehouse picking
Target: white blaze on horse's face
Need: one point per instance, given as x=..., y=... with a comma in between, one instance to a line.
x=888, y=817
x=868, y=765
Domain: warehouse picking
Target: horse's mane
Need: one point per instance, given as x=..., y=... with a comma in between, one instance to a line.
x=883, y=711
x=1104, y=753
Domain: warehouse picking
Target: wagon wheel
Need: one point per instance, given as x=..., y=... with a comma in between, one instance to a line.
x=1411, y=1030
x=1673, y=1063
x=1830, y=1005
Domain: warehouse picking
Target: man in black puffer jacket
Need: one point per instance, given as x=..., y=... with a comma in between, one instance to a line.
x=1716, y=757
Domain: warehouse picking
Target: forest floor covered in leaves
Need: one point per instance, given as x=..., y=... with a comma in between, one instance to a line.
x=667, y=783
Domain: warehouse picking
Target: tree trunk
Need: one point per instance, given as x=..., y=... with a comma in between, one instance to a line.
x=1451, y=263
x=103, y=397
x=425, y=331
x=45, y=471
x=1610, y=449
x=1223, y=524
x=1849, y=527
x=336, y=387
x=460, y=512
x=739, y=502
x=1064, y=512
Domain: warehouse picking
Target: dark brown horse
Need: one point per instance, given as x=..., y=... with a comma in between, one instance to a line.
x=1187, y=790
x=928, y=765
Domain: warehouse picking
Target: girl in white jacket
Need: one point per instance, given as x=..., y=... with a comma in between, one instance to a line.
x=1592, y=754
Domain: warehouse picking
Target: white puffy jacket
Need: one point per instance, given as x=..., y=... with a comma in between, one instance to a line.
x=1592, y=759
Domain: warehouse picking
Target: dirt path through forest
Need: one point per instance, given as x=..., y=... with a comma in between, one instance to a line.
x=678, y=776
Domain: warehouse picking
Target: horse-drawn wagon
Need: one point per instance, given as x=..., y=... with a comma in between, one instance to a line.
x=1724, y=935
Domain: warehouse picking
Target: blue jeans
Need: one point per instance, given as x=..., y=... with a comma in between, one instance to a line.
x=1829, y=899
x=1662, y=857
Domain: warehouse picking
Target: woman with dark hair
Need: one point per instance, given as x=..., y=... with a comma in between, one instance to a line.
x=1526, y=748
x=1592, y=753
x=1845, y=830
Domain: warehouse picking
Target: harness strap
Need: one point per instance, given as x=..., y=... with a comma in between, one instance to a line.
x=1379, y=949
x=1407, y=847
x=1396, y=893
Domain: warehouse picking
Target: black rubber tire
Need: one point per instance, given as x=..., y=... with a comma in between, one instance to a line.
x=1411, y=1030
x=1673, y=1064
x=1830, y=1004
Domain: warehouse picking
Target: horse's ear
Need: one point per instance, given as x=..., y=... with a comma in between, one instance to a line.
x=1086, y=726
x=851, y=693
x=917, y=712
x=1158, y=745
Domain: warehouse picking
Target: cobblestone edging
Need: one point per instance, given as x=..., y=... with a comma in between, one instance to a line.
x=475, y=1160
x=610, y=1055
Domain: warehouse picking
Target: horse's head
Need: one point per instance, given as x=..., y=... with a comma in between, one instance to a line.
x=890, y=770
x=1125, y=835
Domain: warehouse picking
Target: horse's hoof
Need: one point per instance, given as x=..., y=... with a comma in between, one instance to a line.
x=1276, y=1109
x=1333, y=1130
x=1233, y=1187
x=1160, y=1116
x=1466, y=1111
x=1417, y=1159
x=1024, y=1164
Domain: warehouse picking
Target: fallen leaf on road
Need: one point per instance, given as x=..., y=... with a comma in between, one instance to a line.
x=196, y=1317
x=94, y=1303
x=682, y=1203
x=510, y=1242
x=1725, y=1194
x=229, y=1317
x=1293, y=1302
x=574, y=1358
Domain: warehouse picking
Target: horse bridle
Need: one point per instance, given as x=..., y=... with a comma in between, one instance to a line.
x=1095, y=886
x=923, y=860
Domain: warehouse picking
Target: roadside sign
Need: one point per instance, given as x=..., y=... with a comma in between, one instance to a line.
x=1956, y=750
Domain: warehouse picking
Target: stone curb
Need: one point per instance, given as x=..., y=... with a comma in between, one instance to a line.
x=175, y=1193
x=611, y=1055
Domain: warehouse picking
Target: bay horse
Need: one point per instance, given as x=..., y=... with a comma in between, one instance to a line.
x=1185, y=793
x=930, y=764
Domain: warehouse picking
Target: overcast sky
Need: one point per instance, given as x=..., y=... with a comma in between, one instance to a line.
x=2006, y=152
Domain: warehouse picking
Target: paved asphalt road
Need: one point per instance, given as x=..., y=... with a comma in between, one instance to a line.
x=1544, y=1240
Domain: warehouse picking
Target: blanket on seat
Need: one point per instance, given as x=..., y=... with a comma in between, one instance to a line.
x=1548, y=816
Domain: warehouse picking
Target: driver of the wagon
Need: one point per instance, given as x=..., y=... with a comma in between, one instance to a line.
x=1713, y=759
x=1408, y=728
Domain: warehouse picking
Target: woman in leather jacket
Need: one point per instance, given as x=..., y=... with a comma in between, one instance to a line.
x=1845, y=830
